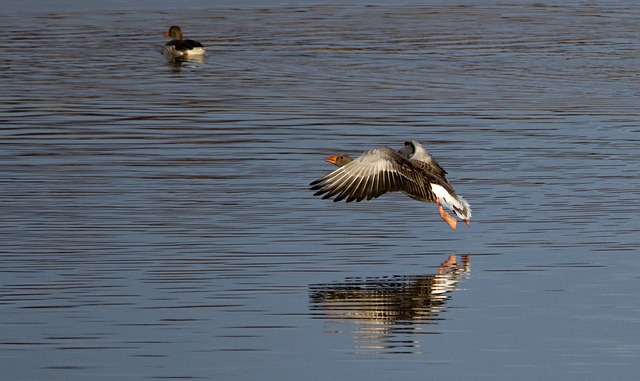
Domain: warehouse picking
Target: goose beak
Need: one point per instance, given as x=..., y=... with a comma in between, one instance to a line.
x=331, y=159
x=166, y=34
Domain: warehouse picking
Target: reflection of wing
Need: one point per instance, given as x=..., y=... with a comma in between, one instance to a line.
x=389, y=306
x=379, y=301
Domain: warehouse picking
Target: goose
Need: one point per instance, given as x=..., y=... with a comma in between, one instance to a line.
x=178, y=47
x=411, y=170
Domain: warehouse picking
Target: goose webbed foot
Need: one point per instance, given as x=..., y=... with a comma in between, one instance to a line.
x=451, y=221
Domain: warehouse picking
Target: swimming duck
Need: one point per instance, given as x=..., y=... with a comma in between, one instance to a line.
x=179, y=47
x=411, y=170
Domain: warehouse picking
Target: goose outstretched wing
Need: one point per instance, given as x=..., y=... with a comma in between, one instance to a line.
x=378, y=171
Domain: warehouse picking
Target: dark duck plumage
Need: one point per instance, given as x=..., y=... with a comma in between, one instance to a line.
x=179, y=47
x=380, y=170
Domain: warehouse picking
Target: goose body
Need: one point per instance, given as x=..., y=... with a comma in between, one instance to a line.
x=412, y=171
x=179, y=47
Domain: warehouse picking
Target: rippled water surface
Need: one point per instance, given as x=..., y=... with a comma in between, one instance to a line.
x=156, y=221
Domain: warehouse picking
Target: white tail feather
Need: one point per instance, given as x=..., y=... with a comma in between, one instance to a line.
x=457, y=204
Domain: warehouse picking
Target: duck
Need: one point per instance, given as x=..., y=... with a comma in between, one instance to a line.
x=411, y=170
x=178, y=47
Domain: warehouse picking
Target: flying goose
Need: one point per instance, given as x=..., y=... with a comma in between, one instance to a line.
x=380, y=170
x=178, y=47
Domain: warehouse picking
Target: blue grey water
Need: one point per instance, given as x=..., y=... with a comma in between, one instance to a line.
x=156, y=221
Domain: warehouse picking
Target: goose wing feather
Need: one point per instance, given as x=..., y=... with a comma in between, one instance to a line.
x=378, y=171
x=431, y=166
x=420, y=157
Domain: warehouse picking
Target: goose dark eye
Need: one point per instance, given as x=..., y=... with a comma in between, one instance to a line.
x=407, y=143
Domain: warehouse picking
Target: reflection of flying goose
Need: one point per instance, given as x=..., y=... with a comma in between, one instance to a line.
x=390, y=311
x=392, y=298
x=178, y=47
x=380, y=170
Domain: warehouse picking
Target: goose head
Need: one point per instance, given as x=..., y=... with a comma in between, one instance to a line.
x=338, y=160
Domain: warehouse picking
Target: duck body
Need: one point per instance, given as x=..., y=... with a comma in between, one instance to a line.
x=412, y=171
x=179, y=47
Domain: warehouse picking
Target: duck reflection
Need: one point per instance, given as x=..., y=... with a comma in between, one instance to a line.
x=390, y=311
x=176, y=64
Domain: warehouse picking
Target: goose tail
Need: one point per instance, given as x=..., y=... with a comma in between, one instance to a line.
x=453, y=202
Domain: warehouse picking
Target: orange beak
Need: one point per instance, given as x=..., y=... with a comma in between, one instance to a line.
x=331, y=159
x=166, y=34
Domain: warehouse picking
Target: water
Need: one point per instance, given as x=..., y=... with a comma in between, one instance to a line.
x=156, y=221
